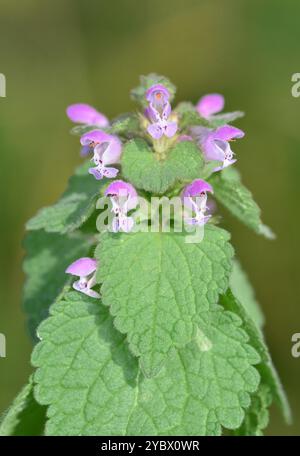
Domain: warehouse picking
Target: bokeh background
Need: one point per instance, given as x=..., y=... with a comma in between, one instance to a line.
x=58, y=52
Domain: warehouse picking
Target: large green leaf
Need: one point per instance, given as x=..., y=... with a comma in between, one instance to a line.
x=139, y=165
x=243, y=291
x=75, y=206
x=230, y=192
x=48, y=255
x=93, y=385
x=25, y=417
x=156, y=284
x=266, y=368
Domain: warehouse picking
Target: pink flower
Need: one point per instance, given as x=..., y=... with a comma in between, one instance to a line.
x=107, y=150
x=85, y=269
x=86, y=114
x=194, y=197
x=124, y=198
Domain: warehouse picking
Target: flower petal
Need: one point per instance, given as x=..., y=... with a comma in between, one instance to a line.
x=87, y=291
x=210, y=104
x=113, y=152
x=82, y=267
x=196, y=187
x=126, y=224
x=171, y=129
x=157, y=88
x=94, y=136
x=86, y=114
x=225, y=164
x=183, y=138
x=211, y=150
x=85, y=150
x=155, y=131
x=227, y=132
x=110, y=173
x=96, y=172
x=123, y=189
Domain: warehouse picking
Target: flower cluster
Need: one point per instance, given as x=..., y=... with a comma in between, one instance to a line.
x=159, y=125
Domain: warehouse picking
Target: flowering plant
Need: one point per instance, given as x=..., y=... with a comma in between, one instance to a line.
x=141, y=329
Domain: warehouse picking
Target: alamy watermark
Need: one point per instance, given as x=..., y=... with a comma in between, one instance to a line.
x=2, y=85
x=296, y=345
x=2, y=346
x=295, y=90
x=159, y=214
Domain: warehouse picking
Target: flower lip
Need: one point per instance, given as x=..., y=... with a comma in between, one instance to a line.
x=158, y=91
x=197, y=187
x=210, y=104
x=82, y=267
x=120, y=187
x=227, y=133
x=95, y=136
x=86, y=114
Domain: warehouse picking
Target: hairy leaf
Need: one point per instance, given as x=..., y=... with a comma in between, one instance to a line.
x=125, y=124
x=93, y=384
x=25, y=417
x=188, y=116
x=143, y=170
x=266, y=368
x=75, y=206
x=48, y=255
x=156, y=284
x=243, y=291
x=230, y=192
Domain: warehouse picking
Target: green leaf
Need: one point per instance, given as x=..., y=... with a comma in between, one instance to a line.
x=80, y=130
x=138, y=94
x=257, y=416
x=48, y=255
x=266, y=368
x=230, y=192
x=189, y=117
x=243, y=291
x=25, y=416
x=156, y=284
x=222, y=119
x=75, y=206
x=143, y=170
x=93, y=385
x=126, y=124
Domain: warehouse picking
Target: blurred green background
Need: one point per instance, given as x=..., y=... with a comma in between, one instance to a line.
x=54, y=53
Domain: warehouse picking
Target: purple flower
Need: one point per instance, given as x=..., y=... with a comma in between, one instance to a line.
x=107, y=150
x=215, y=143
x=194, y=197
x=210, y=104
x=159, y=111
x=85, y=269
x=86, y=114
x=124, y=198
